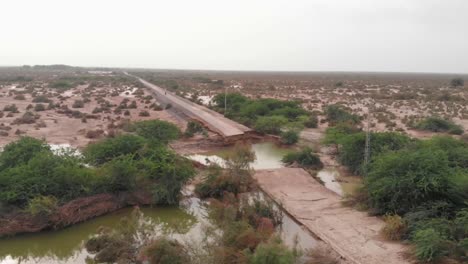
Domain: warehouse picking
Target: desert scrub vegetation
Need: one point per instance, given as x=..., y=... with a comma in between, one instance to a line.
x=421, y=186
x=157, y=130
x=194, y=127
x=126, y=163
x=62, y=85
x=456, y=82
x=339, y=114
x=235, y=178
x=438, y=124
x=264, y=115
x=305, y=158
x=242, y=228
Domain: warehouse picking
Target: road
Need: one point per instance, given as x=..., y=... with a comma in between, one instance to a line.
x=351, y=233
x=211, y=119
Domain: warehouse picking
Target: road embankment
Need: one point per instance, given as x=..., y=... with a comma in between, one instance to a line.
x=352, y=234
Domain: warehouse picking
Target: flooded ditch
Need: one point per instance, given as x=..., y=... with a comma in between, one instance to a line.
x=185, y=222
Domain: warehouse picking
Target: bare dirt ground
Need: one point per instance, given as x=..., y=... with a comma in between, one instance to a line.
x=108, y=103
x=353, y=234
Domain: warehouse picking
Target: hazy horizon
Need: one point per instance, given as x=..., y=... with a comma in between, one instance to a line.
x=419, y=36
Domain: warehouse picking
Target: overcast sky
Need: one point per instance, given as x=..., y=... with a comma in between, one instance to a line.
x=289, y=35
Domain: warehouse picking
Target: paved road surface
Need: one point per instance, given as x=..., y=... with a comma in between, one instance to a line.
x=213, y=120
x=352, y=234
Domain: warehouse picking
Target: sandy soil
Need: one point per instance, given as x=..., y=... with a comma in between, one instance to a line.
x=57, y=127
x=353, y=234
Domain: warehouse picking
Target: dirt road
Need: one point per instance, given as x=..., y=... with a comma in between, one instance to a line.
x=353, y=234
x=213, y=120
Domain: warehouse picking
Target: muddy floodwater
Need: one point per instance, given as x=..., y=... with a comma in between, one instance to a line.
x=185, y=223
x=268, y=156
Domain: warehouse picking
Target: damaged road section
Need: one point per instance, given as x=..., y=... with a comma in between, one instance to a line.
x=228, y=129
x=353, y=234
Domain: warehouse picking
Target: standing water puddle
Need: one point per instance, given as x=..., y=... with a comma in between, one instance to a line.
x=328, y=176
x=268, y=156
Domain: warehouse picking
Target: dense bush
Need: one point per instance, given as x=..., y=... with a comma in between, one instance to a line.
x=39, y=172
x=270, y=124
x=304, y=158
x=42, y=205
x=338, y=114
x=334, y=134
x=193, y=127
x=427, y=183
x=289, y=137
x=130, y=162
x=437, y=124
x=110, y=148
x=157, y=130
x=21, y=151
x=422, y=184
x=351, y=148
x=400, y=181
x=30, y=170
x=265, y=115
x=61, y=85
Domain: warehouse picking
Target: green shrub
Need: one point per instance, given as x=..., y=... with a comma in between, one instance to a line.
x=46, y=174
x=305, y=158
x=351, y=151
x=61, y=85
x=39, y=107
x=42, y=205
x=157, y=130
x=430, y=245
x=216, y=185
x=193, y=127
x=335, y=134
x=270, y=124
x=120, y=173
x=437, y=124
x=107, y=149
x=272, y=252
x=400, y=181
x=250, y=111
x=21, y=151
x=339, y=114
x=289, y=137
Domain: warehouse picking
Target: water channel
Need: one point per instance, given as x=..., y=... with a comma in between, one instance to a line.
x=184, y=222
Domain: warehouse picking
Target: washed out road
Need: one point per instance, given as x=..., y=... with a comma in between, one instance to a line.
x=211, y=119
x=352, y=234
